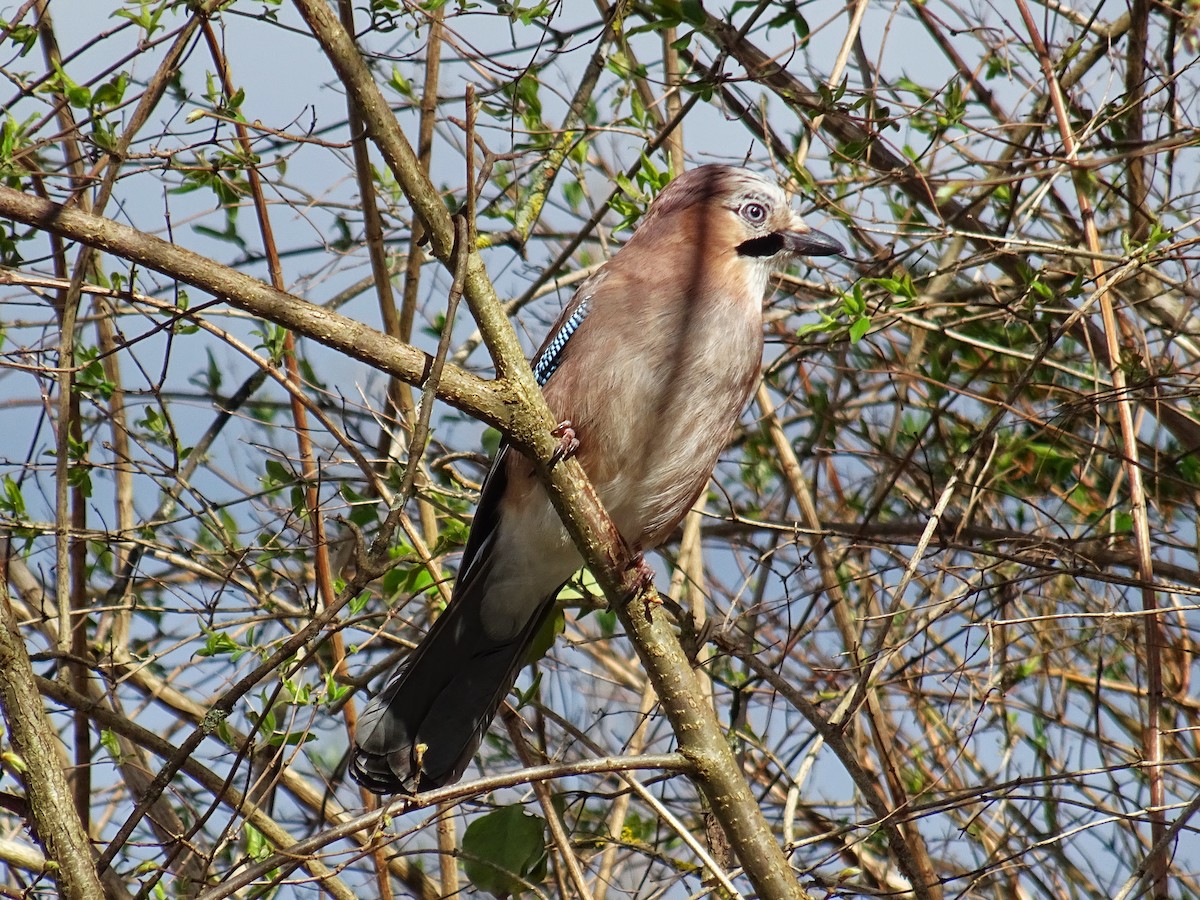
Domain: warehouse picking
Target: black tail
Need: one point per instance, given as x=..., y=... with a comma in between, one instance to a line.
x=421, y=730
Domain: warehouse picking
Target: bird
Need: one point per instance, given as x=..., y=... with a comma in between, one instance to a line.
x=648, y=368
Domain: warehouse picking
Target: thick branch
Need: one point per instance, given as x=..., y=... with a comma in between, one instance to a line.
x=34, y=738
x=458, y=388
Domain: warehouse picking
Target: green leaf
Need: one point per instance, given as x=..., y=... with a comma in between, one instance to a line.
x=573, y=192
x=901, y=287
x=693, y=13
x=112, y=92
x=790, y=16
x=554, y=625
x=826, y=324
x=334, y=691
x=490, y=439
x=290, y=738
x=218, y=643
x=13, y=501
x=81, y=477
x=276, y=475
x=682, y=43
x=417, y=580
x=108, y=740
x=20, y=36
x=146, y=16
x=91, y=377
x=257, y=845
x=504, y=850
x=359, y=603
x=860, y=327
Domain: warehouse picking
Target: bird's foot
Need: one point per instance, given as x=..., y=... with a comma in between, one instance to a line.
x=643, y=584
x=568, y=442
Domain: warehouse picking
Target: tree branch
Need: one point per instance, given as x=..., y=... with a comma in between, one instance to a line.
x=57, y=824
x=460, y=389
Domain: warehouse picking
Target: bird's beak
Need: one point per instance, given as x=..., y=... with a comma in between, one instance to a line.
x=801, y=240
x=796, y=239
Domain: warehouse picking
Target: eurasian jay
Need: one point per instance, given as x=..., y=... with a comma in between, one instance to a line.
x=652, y=363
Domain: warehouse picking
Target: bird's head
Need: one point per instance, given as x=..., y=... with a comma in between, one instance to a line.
x=727, y=212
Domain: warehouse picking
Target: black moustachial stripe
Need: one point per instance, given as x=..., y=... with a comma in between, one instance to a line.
x=547, y=362
x=767, y=245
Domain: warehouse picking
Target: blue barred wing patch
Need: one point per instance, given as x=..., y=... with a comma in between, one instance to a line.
x=548, y=360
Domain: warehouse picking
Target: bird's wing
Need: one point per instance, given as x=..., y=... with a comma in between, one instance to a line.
x=545, y=363
x=550, y=355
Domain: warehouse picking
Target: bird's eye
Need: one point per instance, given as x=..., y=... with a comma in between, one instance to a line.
x=754, y=213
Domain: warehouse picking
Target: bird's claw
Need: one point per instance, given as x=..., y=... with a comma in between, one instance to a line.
x=643, y=585
x=568, y=442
